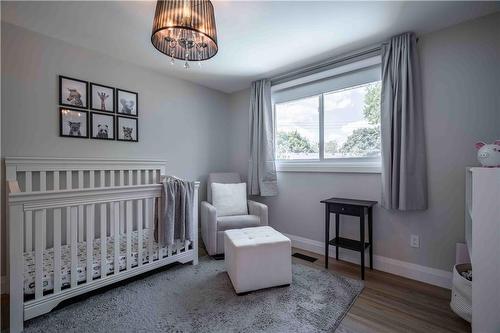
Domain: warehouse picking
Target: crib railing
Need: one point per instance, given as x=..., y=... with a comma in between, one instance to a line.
x=53, y=219
x=36, y=174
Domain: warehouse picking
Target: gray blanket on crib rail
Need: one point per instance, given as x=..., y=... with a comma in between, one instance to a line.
x=177, y=214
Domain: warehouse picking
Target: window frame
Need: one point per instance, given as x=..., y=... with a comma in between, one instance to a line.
x=322, y=164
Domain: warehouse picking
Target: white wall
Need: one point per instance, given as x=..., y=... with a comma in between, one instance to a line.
x=461, y=81
x=179, y=121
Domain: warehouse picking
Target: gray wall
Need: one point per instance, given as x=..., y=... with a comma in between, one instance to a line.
x=179, y=121
x=461, y=80
x=199, y=130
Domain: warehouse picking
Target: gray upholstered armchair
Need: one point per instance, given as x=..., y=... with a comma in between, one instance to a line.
x=213, y=226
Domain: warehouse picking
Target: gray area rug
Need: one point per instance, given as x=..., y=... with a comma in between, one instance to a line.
x=187, y=298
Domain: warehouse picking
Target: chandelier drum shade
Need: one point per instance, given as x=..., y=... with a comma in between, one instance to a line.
x=185, y=29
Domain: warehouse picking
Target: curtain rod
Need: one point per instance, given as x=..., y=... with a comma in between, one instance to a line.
x=335, y=62
x=324, y=65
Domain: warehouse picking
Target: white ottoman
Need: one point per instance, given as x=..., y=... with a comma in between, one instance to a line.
x=257, y=258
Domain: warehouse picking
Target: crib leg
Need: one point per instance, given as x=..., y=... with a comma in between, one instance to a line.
x=195, y=224
x=16, y=280
x=16, y=324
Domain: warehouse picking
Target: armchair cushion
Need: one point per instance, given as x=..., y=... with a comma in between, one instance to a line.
x=221, y=178
x=237, y=222
x=230, y=199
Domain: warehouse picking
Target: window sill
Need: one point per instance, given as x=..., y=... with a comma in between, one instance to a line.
x=328, y=167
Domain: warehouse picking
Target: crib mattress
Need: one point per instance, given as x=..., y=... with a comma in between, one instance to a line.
x=48, y=261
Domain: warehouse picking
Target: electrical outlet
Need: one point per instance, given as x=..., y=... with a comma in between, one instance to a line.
x=414, y=241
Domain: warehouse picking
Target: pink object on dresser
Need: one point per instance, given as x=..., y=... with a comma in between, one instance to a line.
x=489, y=154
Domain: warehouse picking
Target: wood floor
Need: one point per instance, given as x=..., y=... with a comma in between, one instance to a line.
x=391, y=303
x=388, y=303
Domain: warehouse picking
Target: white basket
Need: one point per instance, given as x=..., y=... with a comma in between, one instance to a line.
x=461, y=293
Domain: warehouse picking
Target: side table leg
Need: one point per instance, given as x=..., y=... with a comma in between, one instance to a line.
x=337, y=234
x=370, y=234
x=362, y=242
x=327, y=233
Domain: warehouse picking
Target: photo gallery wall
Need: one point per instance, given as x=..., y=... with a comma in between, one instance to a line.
x=96, y=111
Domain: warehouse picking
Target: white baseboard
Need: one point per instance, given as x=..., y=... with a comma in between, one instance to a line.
x=409, y=270
x=4, y=285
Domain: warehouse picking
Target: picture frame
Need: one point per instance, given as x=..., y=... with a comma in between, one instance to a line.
x=127, y=103
x=102, y=98
x=102, y=126
x=127, y=129
x=73, y=92
x=73, y=123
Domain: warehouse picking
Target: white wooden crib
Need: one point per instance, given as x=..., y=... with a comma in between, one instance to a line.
x=67, y=215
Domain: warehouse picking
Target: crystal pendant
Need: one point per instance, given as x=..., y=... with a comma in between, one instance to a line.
x=186, y=57
x=172, y=60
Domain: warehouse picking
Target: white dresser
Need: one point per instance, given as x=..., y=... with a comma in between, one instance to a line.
x=482, y=233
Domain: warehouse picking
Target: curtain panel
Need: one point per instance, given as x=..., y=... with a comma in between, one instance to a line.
x=262, y=178
x=404, y=166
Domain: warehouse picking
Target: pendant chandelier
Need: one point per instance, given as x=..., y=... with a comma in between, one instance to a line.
x=185, y=30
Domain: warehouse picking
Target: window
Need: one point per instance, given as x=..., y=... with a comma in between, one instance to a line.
x=334, y=123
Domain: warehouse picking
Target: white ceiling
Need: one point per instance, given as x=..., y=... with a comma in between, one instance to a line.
x=256, y=39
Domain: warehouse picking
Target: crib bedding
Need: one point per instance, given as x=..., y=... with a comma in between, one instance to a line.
x=48, y=261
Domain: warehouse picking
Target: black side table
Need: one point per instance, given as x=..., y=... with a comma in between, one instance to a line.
x=351, y=207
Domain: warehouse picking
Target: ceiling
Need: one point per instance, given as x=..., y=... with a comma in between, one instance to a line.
x=256, y=39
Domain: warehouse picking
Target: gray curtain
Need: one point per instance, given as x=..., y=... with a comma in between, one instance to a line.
x=262, y=168
x=404, y=174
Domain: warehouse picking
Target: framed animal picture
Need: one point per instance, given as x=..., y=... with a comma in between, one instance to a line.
x=73, y=123
x=73, y=92
x=102, y=126
x=102, y=98
x=127, y=129
x=127, y=103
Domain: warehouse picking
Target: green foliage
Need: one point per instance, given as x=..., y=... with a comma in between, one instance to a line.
x=293, y=142
x=362, y=142
x=331, y=147
x=366, y=141
x=371, y=109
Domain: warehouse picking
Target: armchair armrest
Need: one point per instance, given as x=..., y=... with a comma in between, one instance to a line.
x=259, y=209
x=209, y=227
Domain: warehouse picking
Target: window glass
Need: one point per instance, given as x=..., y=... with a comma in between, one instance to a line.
x=352, y=122
x=297, y=129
